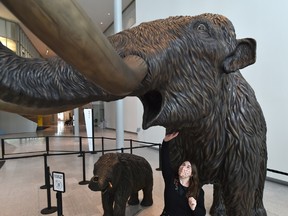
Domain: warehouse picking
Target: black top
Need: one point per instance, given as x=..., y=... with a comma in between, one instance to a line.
x=175, y=200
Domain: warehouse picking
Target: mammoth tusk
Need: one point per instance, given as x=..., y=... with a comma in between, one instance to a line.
x=110, y=185
x=22, y=110
x=68, y=31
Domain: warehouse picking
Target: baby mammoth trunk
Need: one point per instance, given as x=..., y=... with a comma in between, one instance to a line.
x=95, y=185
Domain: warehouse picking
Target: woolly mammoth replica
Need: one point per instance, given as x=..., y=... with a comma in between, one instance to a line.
x=119, y=176
x=185, y=71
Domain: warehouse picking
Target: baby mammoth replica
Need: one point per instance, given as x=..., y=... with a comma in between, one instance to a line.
x=119, y=176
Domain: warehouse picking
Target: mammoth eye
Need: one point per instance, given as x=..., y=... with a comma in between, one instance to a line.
x=201, y=27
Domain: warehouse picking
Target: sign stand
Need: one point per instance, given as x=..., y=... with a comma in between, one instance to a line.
x=59, y=186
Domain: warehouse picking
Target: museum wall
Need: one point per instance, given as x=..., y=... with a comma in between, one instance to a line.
x=14, y=123
x=130, y=113
x=265, y=21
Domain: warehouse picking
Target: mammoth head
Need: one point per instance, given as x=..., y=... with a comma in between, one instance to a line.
x=179, y=67
x=106, y=173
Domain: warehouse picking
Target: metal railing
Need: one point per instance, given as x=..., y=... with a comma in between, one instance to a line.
x=48, y=152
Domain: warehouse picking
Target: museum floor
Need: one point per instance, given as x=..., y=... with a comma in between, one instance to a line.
x=21, y=179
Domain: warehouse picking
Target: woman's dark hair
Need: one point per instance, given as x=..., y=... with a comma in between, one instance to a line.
x=193, y=189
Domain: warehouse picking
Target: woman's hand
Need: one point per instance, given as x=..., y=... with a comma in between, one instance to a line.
x=192, y=203
x=171, y=136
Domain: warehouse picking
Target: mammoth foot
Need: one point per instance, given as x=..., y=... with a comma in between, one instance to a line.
x=222, y=212
x=260, y=212
x=133, y=201
x=146, y=202
x=217, y=211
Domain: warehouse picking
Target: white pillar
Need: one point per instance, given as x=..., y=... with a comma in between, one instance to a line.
x=88, y=114
x=119, y=103
x=76, y=121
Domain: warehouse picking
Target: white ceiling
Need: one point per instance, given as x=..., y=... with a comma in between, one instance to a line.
x=101, y=12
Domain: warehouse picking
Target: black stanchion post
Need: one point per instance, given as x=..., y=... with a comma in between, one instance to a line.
x=84, y=182
x=46, y=174
x=131, y=146
x=3, y=148
x=122, y=150
x=59, y=187
x=47, y=145
x=160, y=159
x=80, y=147
x=49, y=209
x=102, y=143
x=59, y=203
x=93, y=145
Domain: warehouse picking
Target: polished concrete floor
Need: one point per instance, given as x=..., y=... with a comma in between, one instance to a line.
x=21, y=179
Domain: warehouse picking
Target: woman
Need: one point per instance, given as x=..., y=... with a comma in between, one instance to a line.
x=182, y=195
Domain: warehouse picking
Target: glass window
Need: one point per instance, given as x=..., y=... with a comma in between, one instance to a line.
x=12, y=36
x=2, y=28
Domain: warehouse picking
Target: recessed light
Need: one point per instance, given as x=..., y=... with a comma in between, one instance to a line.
x=101, y=23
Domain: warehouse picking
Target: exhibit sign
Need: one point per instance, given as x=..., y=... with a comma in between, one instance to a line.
x=58, y=181
x=88, y=123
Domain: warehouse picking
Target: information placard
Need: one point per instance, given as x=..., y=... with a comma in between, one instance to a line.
x=58, y=181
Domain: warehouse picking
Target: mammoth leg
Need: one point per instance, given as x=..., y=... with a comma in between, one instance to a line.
x=218, y=207
x=147, y=195
x=238, y=197
x=121, y=198
x=258, y=206
x=107, y=203
x=133, y=200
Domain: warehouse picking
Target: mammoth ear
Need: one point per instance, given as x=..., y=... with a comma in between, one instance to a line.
x=243, y=55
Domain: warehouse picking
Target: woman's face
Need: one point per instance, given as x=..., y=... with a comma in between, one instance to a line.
x=185, y=170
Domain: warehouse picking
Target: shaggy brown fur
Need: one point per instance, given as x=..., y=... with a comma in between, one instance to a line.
x=193, y=86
